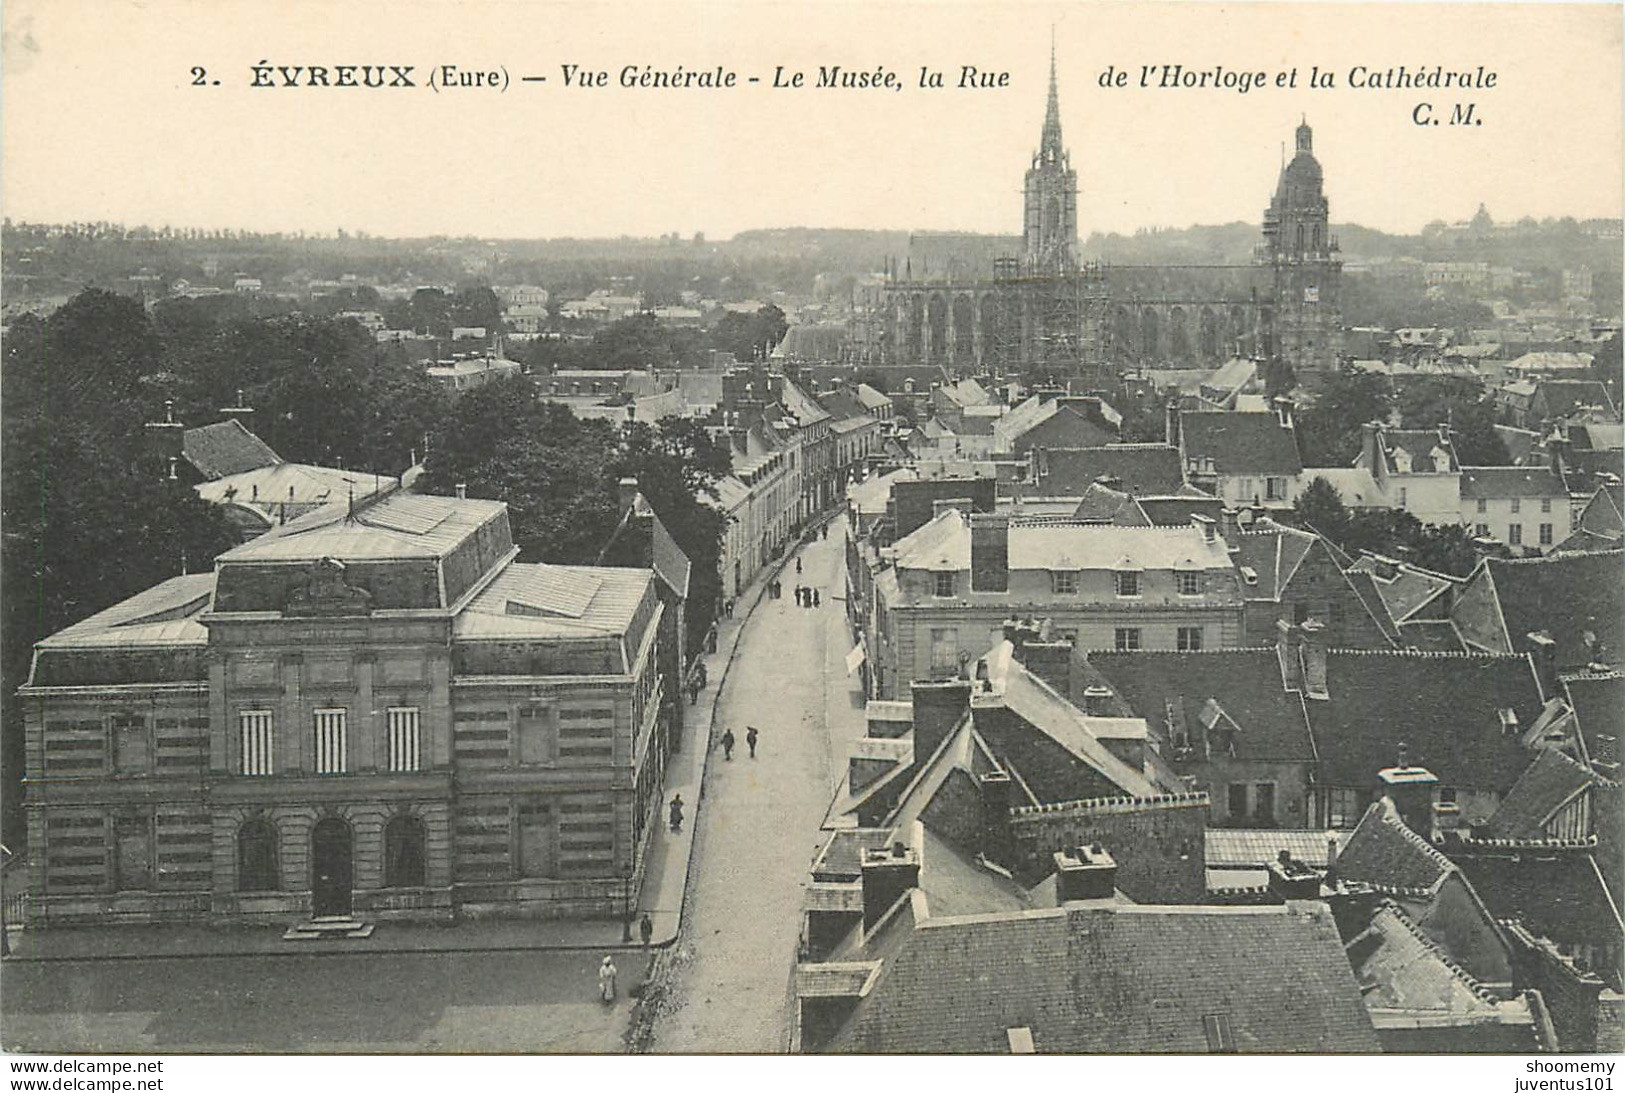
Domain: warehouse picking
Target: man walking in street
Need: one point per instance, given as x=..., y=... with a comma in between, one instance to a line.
x=815, y=597
x=676, y=813
x=750, y=740
x=798, y=565
x=728, y=744
x=646, y=929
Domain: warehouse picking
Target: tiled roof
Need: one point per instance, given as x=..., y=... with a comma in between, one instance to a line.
x=1384, y=852
x=1568, y=596
x=669, y=560
x=940, y=543
x=1246, y=684
x=1138, y=468
x=1550, y=782
x=871, y=398
x=1241, y=443
x=1102, y=504
x=1118, y=979
x=226, y=448
x=1497, y=482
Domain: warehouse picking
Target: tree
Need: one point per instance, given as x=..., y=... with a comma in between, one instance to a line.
x=1426, y=402
x=1329, y=431
x=1321, y=507
x=748, y=336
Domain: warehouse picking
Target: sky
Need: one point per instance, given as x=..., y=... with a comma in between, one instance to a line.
x=102, y=119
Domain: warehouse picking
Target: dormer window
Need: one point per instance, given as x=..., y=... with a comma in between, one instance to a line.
x=1402, y=461
x=1128, y=582
x=1063, y=581
x=943, y=584
x=1190, y=583
x=1441, y=460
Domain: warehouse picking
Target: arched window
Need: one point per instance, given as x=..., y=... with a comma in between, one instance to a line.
x=1300, y=237
x=256, y=857
x=404, y=853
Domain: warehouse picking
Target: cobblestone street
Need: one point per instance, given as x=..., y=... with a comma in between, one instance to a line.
x=758, y=826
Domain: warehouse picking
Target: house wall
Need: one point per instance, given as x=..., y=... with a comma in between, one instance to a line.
x=135, y=795
x=1320, y=590
x=1533, y=512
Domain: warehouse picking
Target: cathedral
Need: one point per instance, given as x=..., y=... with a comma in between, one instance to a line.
x=1047, y=312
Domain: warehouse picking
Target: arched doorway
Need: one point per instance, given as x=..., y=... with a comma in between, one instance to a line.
x=331, y=867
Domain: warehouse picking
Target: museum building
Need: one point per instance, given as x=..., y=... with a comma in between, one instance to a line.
x=371, y=711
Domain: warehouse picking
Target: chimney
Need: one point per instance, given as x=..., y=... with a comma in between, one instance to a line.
x=888, y=873
x=1206, y=526
x=1292, y=879
x=1412, y=789
x=996, y=843
x=1230, y=527
x=1370, y=450
x=461, y=488
x=1050, y=661
x=1084, y=872
x=937, y=710
x=1283, y=410
x=1557, y=453
x=1331, y=858
x=1171, y=423
x=1543, y=659
x=626, y=491
x=989, y=552
x=1288, y=642
x=1097, y=700
x=1314, y=658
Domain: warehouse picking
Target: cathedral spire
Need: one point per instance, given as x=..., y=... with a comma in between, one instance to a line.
x=1049, y=147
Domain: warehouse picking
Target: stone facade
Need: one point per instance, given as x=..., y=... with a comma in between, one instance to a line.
x=376, y=713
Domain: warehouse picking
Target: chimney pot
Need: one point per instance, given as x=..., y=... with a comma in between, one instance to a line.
x=462, y=491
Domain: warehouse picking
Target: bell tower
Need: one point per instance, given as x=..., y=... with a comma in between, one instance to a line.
x=1305, y=328
x=1050, y=220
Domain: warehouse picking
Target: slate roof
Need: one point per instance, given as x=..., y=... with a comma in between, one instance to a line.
x=1563, y=396
x=1096, y=546
x=1383, y=851
x=1402, y=589
x=401, y=525
x=1443, y=706
x=1419, y=445
x=536, y=600
x=1556, y=894
x=164, y=614
x=1138, y=468
x=1549, y=783
x=871, y=398
x=1246, y=683
x=1497, y=482
x=1241, y=443
x=1598, y=700
x=1117, y=979
x=1241, y=848
x=1273, y=551
x=226, y=448
x=1178, y=509
x=1567, y=595
x=1405, y=976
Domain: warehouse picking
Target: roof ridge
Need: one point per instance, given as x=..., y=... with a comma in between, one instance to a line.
x=1548, y=558
x=1092, y=804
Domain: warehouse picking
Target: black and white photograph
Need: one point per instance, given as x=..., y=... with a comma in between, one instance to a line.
x=735, y=528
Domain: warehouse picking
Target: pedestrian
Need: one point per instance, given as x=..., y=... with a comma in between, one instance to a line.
x=750, y=740
x=823, y=532
x=676, y=813
x=705, y=676
x=606, y=979
x=728, y=744
x=693, y=689
x=798, y=595
x=815, y=597
x=646, y=929
x=798, y=565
